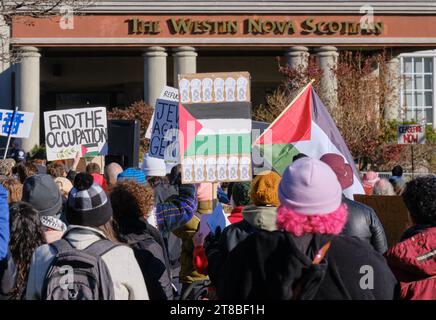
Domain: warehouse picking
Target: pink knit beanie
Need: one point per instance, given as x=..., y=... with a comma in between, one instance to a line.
x=310, y=187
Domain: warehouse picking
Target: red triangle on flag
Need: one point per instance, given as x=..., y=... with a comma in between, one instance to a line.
x=188, y=128
x=293, y=124
x=84, y=150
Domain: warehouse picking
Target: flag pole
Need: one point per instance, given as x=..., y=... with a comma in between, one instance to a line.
x=9, y=132
x=286, y=109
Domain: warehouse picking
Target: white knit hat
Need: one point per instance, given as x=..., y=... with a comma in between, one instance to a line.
x=153, y=167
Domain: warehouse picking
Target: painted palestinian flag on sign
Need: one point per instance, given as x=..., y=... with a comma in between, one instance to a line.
x=215, y=127
x=305, y=126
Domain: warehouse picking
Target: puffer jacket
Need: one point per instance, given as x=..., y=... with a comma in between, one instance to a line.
x=364, y=224
x=413, y=262
x=4, y=222
x=217, y=248
x=121, y=263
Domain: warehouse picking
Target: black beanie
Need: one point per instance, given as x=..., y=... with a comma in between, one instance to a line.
x=88, y=205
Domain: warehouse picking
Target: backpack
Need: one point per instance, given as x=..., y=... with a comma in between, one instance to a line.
x=79, y=274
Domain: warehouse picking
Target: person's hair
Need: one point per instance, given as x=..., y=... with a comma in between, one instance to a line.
x=383, y=188
x=420, y=199
x=397, y=171
x=25, y=170
x=27, y=234
x=56, y=170
x=93, y=168
x=109, y=230
x=130, y=200
x=15, y=189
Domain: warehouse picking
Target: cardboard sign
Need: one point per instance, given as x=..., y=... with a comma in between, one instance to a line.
x=215, y=127
x=411, y=134
x=75, y=130
x=392, y=213
x=167, y=93
x=19, y=126
x=165, y=127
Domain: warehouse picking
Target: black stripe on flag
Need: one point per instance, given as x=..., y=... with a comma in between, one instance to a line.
x=225, y=110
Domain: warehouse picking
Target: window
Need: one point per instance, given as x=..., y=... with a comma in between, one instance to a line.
x=418, y=88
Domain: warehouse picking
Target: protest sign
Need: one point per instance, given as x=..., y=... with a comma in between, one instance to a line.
x=75, y=130
x=165, y=125
x=392, y=213
x=19, y=125
x=215, y=127
x=217, y=219
x=411, y=134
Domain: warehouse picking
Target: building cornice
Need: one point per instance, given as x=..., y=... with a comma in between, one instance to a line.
x=265, y=7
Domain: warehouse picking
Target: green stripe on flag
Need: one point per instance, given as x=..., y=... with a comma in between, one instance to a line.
x=278, y=155
x=222, y=144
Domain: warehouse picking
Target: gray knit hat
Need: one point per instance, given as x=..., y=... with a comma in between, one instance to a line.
x=43, y=194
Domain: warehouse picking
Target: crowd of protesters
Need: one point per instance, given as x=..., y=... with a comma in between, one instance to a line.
x=133, y=233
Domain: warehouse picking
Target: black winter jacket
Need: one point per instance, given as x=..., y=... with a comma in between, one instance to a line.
x=8, y=274
x=267, y=265
x=149, y=249
x=364, y=224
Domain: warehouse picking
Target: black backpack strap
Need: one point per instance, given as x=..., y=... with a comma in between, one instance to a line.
x=62, y=245
x=100, y=247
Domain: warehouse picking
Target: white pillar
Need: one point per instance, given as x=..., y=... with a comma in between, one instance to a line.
x=28, y=91
x=5, y=71
x=185, y=61
x=327, y=58
x=155, y=73
x=297, y=57
x=392, y=106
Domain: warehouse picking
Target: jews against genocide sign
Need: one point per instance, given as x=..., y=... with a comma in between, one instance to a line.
x=215, y=127
x=165, y=125
x=73, y=130
x=18, y=125
x=411, y=134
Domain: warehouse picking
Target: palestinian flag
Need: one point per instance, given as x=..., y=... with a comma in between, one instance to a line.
x=305, y=126
x=216, y=130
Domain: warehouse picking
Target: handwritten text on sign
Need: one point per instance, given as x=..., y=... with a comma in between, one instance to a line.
x=165, y=118
x=73, y=130
x=411, y=134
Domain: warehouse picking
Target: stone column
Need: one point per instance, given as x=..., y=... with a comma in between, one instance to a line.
x=327, y=58
x=5, y=71
x=28, y=91
x=392, y=106
x=155, y=73
x=297, y=57
x=185, y=61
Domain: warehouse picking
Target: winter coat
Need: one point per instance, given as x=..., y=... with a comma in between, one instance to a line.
x=188, y=273
x=150, y=252
x=4, y=223
x=267, y=265
x=236, y=215
x=178, y=209
x=413, y=261
x=121, y=263
x=8, y=274
x=162, y=192
x=364, y=224
x=217, y=249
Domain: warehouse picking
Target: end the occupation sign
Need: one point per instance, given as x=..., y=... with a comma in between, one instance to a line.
x=73, y=130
